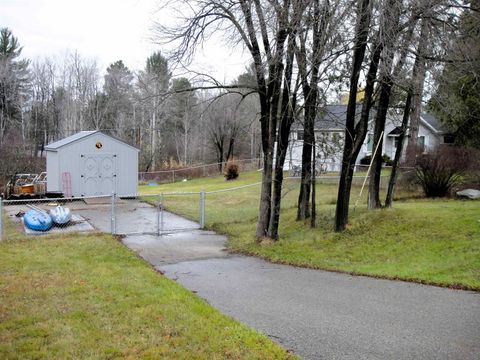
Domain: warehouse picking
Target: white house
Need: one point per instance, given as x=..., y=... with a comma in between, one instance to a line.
x=91, y=163
x=330, y=132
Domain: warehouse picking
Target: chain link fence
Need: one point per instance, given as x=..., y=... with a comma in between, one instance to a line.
x=53, y=216
x=165, y=213
x=130, y=215
x=170, y=176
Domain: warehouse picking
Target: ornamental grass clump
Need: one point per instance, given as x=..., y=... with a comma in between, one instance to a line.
x=438, y=171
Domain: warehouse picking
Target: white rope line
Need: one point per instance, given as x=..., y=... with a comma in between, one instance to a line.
x=231, y=189
x=368, y=173
x=175, y=193
x=195, y=167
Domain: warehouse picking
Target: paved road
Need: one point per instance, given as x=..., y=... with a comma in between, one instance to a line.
x=317, y=314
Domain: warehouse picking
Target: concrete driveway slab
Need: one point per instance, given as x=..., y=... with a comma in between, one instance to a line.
x=177, y=247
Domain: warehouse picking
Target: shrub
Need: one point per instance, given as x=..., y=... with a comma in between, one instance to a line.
x=437, y=172
x=16, y=157
x=231, y=171
x=385, y=159
x=366, y=160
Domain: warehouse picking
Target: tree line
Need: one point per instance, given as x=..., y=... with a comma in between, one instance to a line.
x=45, y=100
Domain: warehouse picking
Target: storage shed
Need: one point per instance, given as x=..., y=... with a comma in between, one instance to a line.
x=91, y=163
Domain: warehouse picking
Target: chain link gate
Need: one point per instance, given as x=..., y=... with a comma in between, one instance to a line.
x=147, y=215
x=129, y=215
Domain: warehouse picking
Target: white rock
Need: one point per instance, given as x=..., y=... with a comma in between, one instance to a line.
x=470, y=193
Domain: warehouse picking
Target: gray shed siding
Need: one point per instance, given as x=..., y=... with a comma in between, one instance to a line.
x=53, y=182
x=75, y=157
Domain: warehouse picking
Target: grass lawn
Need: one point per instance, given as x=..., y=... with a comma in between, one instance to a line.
x=88, y=297
x=429, y=241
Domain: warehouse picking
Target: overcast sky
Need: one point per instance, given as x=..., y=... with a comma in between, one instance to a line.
x=108, y=30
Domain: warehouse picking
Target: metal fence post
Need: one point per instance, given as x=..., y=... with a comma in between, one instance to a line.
x=1, y=219
x=161, y=213
x=202, y=209
x=112, y=218
x=158, y=215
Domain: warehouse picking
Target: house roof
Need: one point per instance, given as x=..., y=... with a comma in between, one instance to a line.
x=433, y=123
x=333, y=117
x=78, y=136
x=396, y=131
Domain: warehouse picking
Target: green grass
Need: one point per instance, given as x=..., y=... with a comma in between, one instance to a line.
x=429, y=241
x=88, y=297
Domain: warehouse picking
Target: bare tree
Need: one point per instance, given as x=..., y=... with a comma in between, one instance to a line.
x=263, y=28
x=389, y=34
x=224, y=125
x=354, y=131
x=317, y=23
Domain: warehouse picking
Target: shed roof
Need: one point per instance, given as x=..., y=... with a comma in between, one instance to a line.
x=78, y=136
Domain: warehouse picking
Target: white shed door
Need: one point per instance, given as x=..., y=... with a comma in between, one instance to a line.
x=99, y=174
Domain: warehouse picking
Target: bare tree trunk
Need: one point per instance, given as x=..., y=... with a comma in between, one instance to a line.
x=153, y=125
x=418, y=79
x=303, y=210
x=310, y=91
x=219, y=148
x=269, y=103
x=287, y=111
x=265, y=196
x=313, y=218
x=398, y=152
x=185, y=137
x=348, y=162
x=231, y=143
x=377, y=159
x=388, y=36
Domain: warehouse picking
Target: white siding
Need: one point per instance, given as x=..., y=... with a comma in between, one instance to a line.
x=431, y=140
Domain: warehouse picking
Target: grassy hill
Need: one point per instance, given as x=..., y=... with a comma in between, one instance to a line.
x=423, y=240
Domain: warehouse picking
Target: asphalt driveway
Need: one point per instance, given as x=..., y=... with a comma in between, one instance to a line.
x=317, y=314
x=324, y=315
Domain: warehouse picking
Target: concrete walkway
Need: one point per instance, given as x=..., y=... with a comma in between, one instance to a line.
x=318, y=314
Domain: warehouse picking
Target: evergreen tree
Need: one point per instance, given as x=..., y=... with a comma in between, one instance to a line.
x=13, y=82
x=119, y=92
x=456, y=101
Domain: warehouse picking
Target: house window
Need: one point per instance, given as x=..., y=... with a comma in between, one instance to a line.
x=300, y=135
x=369, y=142
x=335, y=137
x=421, y=143
x=448, y=139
